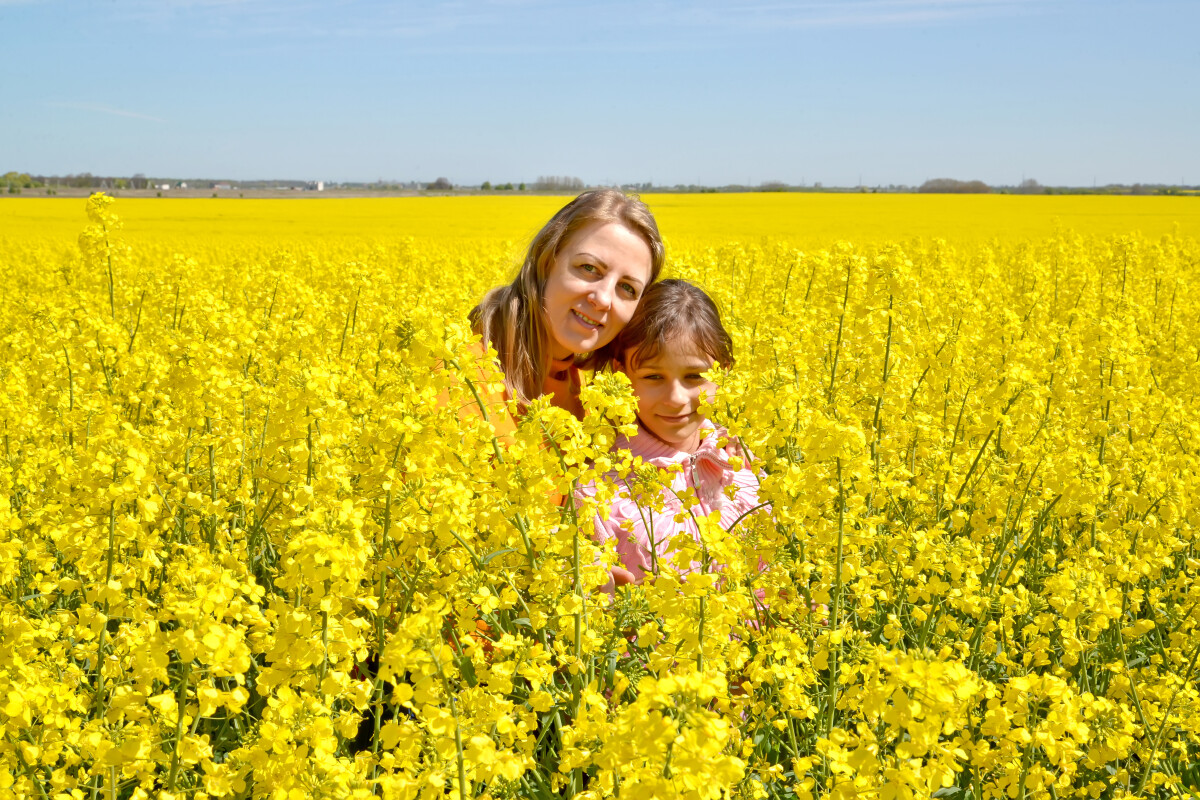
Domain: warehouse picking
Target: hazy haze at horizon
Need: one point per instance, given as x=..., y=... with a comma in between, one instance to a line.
x=877, y=91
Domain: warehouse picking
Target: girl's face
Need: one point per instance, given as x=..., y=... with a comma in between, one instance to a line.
x=593, y=287
x=669, y=388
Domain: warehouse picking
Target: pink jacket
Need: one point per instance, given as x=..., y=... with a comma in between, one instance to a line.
x=707, y=470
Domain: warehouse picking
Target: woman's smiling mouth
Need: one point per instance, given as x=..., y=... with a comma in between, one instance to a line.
x=585, y=319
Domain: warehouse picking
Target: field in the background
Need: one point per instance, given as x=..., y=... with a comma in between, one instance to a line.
x=803, y=219
x=256, y=541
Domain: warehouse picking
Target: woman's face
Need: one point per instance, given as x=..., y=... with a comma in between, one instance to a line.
x=593, y=287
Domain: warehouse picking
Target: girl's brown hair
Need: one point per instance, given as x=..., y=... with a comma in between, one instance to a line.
x=672, y=310
x=512, y=319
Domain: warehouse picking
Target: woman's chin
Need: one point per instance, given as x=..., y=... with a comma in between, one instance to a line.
x=578, y=342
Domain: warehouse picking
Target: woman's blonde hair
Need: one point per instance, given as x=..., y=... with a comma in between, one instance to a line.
x=512, y=318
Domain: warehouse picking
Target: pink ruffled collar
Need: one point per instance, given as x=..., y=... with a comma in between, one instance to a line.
x=710, y=465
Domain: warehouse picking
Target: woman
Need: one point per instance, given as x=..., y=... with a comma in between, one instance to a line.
x=579, y=284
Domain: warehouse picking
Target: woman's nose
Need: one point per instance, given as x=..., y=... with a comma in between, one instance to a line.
x=601, y=296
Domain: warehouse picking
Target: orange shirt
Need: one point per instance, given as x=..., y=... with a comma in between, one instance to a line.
x=495, y=405
x=562, y=385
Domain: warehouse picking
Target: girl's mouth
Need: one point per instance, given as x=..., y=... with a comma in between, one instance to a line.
x=585, y=319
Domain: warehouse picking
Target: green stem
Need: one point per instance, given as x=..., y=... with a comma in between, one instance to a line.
x=112, y=531
x=324, y=640
x=1166, y=715
x=138, y=323
x=577, y=581
x=112, y=305
x=836, y=612
x=379, y=627
x=29, y=773
x=181, y=705
x=838, y=346
x=308, y=470
x=974, y=464
x=212, y=480
x=346, y=327
x=462, y=770
x=482, y=409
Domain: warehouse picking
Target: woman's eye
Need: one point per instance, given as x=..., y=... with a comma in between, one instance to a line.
x=588, y=267
x=629, y=289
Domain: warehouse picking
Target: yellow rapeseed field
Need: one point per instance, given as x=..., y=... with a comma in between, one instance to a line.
x=250, y=547
x=810, y=220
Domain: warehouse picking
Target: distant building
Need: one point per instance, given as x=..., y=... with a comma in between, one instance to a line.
x=183, y=184
x=165, y=186
x=320, y=186
x=225, y=186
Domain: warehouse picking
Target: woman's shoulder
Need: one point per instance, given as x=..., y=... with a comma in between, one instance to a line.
x=489, y=399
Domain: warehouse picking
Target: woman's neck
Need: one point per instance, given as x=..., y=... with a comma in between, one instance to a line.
x=559, y=353
x=559, y=367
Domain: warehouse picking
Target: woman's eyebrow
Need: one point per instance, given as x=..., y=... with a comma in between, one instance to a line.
x=592, y=258
x=595, y=259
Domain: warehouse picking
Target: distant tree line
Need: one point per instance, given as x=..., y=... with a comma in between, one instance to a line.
x=952, y=186
x=84, y=180
x=14, y=182
x=555, y=183
x=544, y=183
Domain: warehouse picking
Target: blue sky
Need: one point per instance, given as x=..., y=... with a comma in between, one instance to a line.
x=712, y=92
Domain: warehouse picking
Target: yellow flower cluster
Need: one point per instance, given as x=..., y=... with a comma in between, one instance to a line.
x=258, y=538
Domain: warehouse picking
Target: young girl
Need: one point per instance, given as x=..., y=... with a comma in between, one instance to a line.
x=673, y=338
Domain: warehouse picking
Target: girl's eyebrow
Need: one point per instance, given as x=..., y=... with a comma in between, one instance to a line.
x=701, y=366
